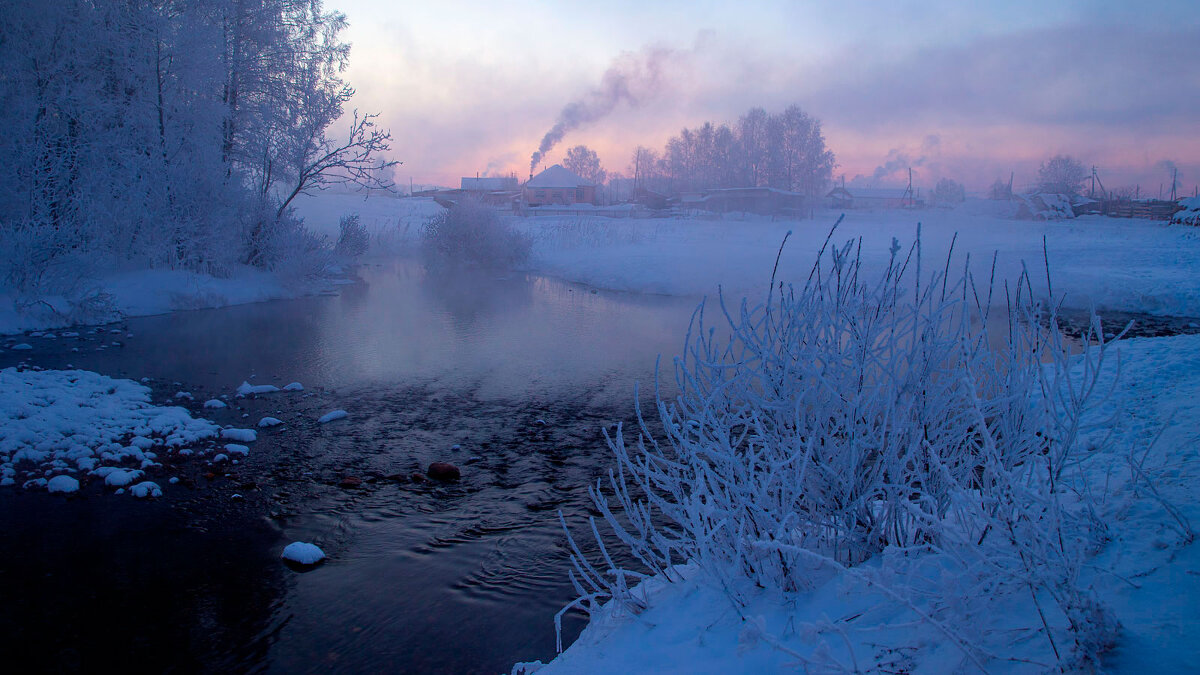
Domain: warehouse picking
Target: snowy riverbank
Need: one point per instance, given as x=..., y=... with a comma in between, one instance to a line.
x=1147, y=574
x=1118, y=264
x=148, y=292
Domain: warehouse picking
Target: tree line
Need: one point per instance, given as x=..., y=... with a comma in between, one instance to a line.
x=171, y=133
x=784, y=150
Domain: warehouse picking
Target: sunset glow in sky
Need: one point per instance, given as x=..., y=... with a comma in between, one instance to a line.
x=948, y=88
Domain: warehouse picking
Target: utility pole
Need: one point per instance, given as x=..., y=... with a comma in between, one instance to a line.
x=1092, y=193
x=1174, y=180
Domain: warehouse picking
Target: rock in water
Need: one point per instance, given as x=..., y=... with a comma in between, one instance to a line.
x=303, y=554
x=443, y=471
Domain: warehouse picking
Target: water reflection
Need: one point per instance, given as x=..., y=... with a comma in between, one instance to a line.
x=510, y=378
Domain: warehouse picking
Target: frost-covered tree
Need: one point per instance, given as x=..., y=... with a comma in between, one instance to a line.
x=1000, y=190
x=586, y=163
x=785, y=151
x=168, y=133
x=949, y=191
x=1061, y=174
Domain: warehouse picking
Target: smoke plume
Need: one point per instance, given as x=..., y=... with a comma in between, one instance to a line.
x=898, y=160
x=632, y=78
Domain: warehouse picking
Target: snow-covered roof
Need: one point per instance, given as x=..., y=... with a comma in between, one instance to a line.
x=489, y=183
x=878, y=193
x=558, y=176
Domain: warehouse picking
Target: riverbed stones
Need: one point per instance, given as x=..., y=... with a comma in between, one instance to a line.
x=443, y=471
x=302, y=555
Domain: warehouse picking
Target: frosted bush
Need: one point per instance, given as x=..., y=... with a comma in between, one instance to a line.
x=472, y=234
x=859, y=413
x=353, y=238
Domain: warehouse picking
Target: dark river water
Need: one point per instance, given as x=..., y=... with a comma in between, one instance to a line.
x=511, y=379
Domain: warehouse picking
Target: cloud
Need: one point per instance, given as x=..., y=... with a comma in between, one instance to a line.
x=1074, y=75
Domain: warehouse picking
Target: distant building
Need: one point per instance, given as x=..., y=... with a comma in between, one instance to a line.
x=490, y=184
x=760, y=200
x=872, y=198
x=558, y=185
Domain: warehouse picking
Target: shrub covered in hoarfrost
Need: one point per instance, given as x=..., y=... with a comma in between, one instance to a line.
x=353, y=238
x=473, y=234
x=858, y=413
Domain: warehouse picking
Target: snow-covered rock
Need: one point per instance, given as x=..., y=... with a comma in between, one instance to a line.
x=122, y=477
x=215, y=403
x=61, y=419
x=146, y=489
x=331, y=416
x=235, y=449
x=22, y=346
x=241, y=435
x=269, y=422
x=247, y=389
x=62, y=484
x=294, y=386
x=303, y=553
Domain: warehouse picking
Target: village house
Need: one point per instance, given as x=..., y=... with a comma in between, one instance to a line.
x=873, y=198
x=558, y=185
x=759, y=200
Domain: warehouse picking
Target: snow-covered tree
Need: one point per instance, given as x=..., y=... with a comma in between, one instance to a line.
x=949, y=191
x=586, y=163
x=785, y=151
x=168, y=133
x=1061, y=174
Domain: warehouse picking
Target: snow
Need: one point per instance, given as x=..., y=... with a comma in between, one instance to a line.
x=247, y=389
x=65, y=421
x=236, y=449
x=147, y=292
x=240, y=435
x=146, y=489
x=22, y=346
x=294, y=386
x=121, y=477
x=270, y=422
x=1117, y=263
x=62, y=484
x=303, y=553
x=1190, y=215
x=1146, y=573
x=215, y=403
x=331, y=416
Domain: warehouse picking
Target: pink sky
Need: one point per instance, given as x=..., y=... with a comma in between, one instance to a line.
x=971, y=93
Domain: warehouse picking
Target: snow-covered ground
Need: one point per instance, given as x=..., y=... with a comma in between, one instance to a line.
x=1148, y=574
x=1115, y=263
x=1118, y=264
x=60, y=426
x=147, y=292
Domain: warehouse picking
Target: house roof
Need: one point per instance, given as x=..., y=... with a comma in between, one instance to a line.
x=489, y=183
x=558, y=176
x=879, y=193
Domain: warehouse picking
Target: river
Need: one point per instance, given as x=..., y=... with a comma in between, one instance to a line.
x=512, y=379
